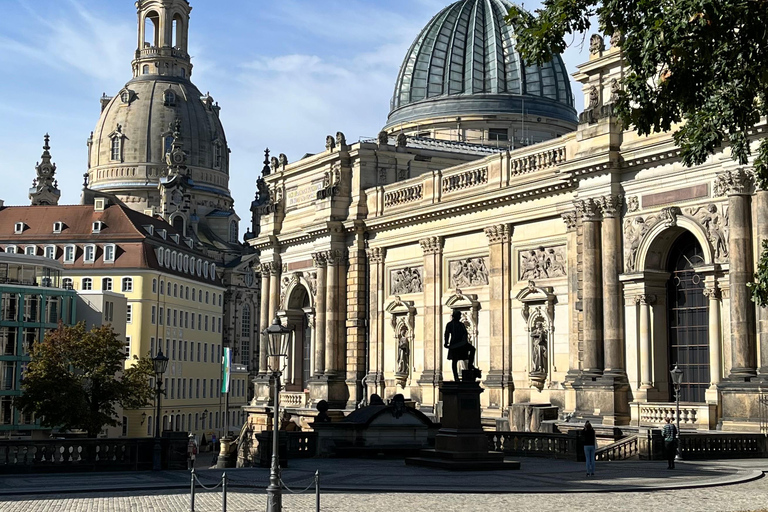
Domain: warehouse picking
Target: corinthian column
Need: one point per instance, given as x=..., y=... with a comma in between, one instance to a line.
x=321, y=265
x=613, y=319
x=332, y=313
x=592, y=286
x=432, y=247
x=264, y=319
x=571, y=242
x=499, y=381
x=738, y=185
x=762, y=313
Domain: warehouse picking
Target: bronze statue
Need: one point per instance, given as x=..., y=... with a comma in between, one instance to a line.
x=457, y=343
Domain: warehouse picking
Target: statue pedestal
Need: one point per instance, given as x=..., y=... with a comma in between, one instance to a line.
x=461, y=444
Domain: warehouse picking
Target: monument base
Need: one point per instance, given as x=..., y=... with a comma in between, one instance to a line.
x=461, y=444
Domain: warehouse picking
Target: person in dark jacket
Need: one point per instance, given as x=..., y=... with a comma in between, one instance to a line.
x=670, y=434
x=589, y=448
x=458, y=345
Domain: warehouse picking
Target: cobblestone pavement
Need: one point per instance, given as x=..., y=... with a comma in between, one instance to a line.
x=731, y=498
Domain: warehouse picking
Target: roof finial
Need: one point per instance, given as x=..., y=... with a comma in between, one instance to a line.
x=47, y=140
x=85, y=180
x=265, y=170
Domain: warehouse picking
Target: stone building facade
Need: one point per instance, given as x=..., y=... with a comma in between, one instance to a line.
x=584, y=266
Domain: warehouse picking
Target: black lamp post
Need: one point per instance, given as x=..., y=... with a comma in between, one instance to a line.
x=278, y=338
x=677, y=380
x=160, y=363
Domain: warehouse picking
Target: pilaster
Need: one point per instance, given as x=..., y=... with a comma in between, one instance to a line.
x=431, y=376
x=375, y=377
x=592, y=303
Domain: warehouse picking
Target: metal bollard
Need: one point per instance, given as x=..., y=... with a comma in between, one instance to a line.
x=317, y=491
x=192, y=491
x=224, y=492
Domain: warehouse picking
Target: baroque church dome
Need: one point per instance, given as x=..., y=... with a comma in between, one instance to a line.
x=135, y=132
x=464, y=65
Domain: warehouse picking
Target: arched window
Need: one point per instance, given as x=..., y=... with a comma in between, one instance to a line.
x=213, y=271
x=67, y=283
x=233, y=231
x=205, y=270
x=151, y=30
x=199, y=267
x=168, y=257
x=127, y=284
x=145, y=69
x=160, y=259
x=168, y=143
x=115, y=148
x=87, y=284
x=173, y=260
x=186, y=263
x=106, y=284
x=162, y=287
x=125, y=97
x=169, y=98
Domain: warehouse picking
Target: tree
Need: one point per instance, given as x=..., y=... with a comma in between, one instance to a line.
x=701, y=63
x=76, y=378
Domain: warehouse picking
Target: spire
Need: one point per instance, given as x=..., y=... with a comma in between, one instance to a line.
x=163, y=39
x=265, y=169
x=45, y=188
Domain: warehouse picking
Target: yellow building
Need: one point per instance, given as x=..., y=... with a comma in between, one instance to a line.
x=174, y=301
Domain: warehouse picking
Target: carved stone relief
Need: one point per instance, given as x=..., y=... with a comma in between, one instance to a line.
x=406, y=280
x=634, y=231
x=633, y=204
x=468, y=272
x=542, y=263
x=714, y=219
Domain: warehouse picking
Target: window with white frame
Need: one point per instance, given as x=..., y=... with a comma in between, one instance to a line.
x=154, y=286
x=106, y=284
x=213, y=271
x=179, y=261
x=30, y=250
x=67, y=283
x=116, y=148
x=10, y=249
x=109, y=253
x=186, y=263
x=58, y=227
x=199, y=267
x=89, y=253
x=205, y=270
x=69, y=254
x=129, y=314
x=50, y=252
x=86, y=284
x=18, y=228
x=127, y=284
x=98, y=226
x=162, y=287
x=160, y=259
x=173, y=260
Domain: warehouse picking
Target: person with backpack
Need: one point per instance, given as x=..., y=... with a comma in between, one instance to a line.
x=670, y=435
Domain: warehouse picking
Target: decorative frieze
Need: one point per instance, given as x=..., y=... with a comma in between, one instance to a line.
x=466, y=179
x=404, y=195
x=468, y=272
x=542, y=263
x=734, y=182
x=500, y=233
x=406, y=280
x=432, y=244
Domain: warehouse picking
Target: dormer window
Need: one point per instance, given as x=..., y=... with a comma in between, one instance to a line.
x=125, y=97
x=99, y=205
x=69, y=254
x=50, y=252
x=10, y=249
x=18, y=228
x=150, y=229
x=175, y=238
x=58, y=227
x=116, y=144
x=213, y=271
x=30, y=250
x=163, y=233
x=98, y=226
x=205, y=270
x=160, y=259
x=169, y=98
x=89, y=254
x=109, y=253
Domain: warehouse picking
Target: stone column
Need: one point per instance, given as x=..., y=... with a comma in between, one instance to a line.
x=375, y=379
x=274, y=290
x=264, y=319
x=320, y=262
x=715, y=337
x=762, y=313
x=738, y=185
x=342, y=312
x=332, y=313
x=499, y=380
x=613, y=318
x=432, y=247
x=592, y=286
x=646, y=355
x=574, y=360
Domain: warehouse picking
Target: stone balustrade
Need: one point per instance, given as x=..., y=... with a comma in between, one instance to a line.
x=298, y=399
x=623, y=449
x=535, y=444
x=692, y=416
x=464, y=180
x=404, y=195
x=526, y=164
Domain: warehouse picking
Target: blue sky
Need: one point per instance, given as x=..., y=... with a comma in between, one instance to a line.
x=285, y=72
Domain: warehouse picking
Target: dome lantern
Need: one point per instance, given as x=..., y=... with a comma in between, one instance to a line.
x=163, y=38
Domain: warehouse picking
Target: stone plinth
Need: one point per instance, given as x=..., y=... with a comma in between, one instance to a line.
x=461, y=444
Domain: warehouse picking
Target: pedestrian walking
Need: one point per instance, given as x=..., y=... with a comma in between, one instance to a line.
x=191, y=451
x=670, y=434
x=589, y=448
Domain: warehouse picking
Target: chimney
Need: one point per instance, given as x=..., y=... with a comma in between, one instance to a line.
x=2, y=203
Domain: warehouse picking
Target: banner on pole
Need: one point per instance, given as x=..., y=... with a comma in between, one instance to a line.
x=226, y=366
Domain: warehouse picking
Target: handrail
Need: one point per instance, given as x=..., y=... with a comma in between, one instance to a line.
x=622, y=449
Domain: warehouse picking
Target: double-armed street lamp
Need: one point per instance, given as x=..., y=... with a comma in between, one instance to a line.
x=160, y=364
x=278, y=342
x=677, y=381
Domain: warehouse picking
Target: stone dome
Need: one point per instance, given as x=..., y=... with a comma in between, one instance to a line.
x=135, y=131
x=465, y=62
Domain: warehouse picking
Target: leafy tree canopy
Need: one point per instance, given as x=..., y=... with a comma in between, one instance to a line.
x=700, y=62
x=76, y=378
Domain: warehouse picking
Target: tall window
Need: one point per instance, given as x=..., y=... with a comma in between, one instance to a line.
x=127, y=284
x=106, y=284
x=115, y=149
x=154, y=286
x=69, y=254
x=90, y=253
x=50, y=252
x=154, y=313
x=109, y=253
x=87, y=284
x=129, y=314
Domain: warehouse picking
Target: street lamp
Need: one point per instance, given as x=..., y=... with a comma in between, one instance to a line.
x=160, y=364
x=677, y=380
x=278, y=340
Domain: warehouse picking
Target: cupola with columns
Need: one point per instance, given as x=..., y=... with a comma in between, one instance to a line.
x=163, y=38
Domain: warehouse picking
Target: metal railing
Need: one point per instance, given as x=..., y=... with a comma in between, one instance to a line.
x=623, y=449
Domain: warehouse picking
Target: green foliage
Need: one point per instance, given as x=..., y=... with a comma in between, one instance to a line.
x=76, y=378
x=760, y=286
x=697, y=62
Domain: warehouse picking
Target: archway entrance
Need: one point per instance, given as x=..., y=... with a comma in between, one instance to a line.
x=298, y=312
x=688, y=310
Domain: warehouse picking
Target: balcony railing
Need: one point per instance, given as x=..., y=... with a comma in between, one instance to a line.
x=297, y=399
x=692, y=415
x=535, y=444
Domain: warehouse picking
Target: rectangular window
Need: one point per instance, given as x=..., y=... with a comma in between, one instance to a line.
x=198, y=351
x=218, y=352
x=9, y=311
x=161, y=315
x=197, y=388
x=167, y=346
x=199, y=322
x=175, y=315
x=165, y=388
x=192, y=351
x=190, y=388
x=206, y=297
x=206, y=323
x=212, y=392
x=129, y=314
x=154, y=286
x=28, y=337
x=69, y=254
x=168, y=317
x=183, y=388
x=30, y=250
x=90, y=254
x=8, y=341
x=152, y=346
x=204, y=389
x=218, y=388
x=32, y=309
x=173, y=349
x=205, y=353
x=127, y=346
x=185, y=350
x=8, y=381
x=186, y=319
x=173, y=388
x=219, y=322
x=53, y=310
x=154, y=314
x=109, y=253
x=50, y=252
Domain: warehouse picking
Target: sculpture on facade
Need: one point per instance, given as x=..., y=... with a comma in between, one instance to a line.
x=539, y=341
x=542, y=263
x=468, y=272
x=456, y=340
x=406, y=280
x=716, y=226
x=596, y=44
x=330, y=143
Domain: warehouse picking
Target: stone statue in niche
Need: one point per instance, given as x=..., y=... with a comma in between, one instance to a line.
x=716, y=225
x=539, y=346
x=403, y=351
x=407, y=280
x=468, y=272
x=542, y=263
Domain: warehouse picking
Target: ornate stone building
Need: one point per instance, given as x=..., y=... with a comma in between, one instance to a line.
x=585, y=265
x=159, y=147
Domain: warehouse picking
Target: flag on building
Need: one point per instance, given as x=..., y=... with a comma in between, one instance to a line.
x=226, y=367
